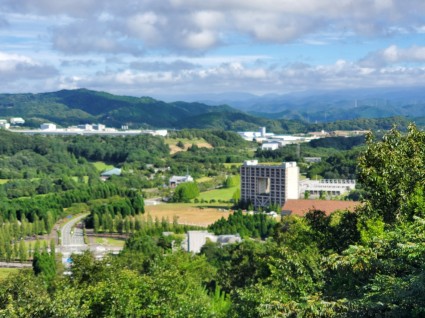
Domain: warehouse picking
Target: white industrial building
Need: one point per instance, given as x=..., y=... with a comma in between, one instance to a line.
x=331, y=187
x=48, y=126
x=195, y=240
x=259, y=135
x=85, y=127
x=4, y=124
x=17, y=121
x=264, y=185
x=270, y=146
x=99, y=127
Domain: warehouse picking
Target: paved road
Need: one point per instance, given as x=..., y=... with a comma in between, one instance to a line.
x=15, y=265
x=153, y=201
x=73, y=242
x=72, y=239
x=73, y=236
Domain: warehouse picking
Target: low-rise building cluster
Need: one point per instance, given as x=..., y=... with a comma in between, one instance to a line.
x=13, y=121
x=83, y=129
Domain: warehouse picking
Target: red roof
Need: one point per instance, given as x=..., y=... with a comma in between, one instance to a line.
x=301, y=207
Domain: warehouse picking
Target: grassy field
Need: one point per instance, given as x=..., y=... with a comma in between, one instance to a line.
x=172, y=143
x=187, y=213
x=204, y=179
x=109, y=241
x=3, y=181
x=223, y=194
x=101, y=166
x=4, y=272
x=85, y=178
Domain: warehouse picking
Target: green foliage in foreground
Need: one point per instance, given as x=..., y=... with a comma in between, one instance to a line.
x=392, y=173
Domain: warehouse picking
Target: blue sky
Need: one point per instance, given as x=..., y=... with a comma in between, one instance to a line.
x=175, y=48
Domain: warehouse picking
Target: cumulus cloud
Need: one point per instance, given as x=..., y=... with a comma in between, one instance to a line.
x=161, y=79
x=148, y=46
x=160, y=66
x=74, y=8
x=14, y=67
x=192, y=26
x=85, y=38
x=394, y=55
x=74, y=62
x=3, y=22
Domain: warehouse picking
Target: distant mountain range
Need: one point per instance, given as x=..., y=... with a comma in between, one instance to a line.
x=326, y=106
x=279, y=113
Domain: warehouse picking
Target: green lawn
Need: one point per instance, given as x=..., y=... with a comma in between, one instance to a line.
x=204, y=179
x=4, y=272
x=101, y=166
x=223, y=194
x=109, y=241
x=174, y=141
x=3, y=181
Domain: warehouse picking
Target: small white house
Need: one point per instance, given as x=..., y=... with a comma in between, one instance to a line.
x=176, y=180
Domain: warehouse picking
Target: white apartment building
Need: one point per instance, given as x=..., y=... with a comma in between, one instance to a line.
x=264, y=185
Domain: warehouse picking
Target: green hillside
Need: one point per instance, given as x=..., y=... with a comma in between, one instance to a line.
x=72, y=107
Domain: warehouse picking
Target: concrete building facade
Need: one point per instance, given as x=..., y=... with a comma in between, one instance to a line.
x=264, y=185
x=331, y=187
x=195, y=240
x=48, y=126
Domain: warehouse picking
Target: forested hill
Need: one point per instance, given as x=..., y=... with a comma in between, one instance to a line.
x=71, y=107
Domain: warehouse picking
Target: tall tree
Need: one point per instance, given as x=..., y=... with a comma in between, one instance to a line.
x=392, y=171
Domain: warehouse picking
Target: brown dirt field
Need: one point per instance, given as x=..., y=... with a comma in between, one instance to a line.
x=187, y=213
x=174, y=149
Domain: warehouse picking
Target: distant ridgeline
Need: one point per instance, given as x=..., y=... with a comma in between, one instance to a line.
x=81, y=106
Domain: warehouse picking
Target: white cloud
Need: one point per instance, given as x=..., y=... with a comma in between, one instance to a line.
x=394, y=55
x=161, y=79
x=193, y=26
x=17, y=69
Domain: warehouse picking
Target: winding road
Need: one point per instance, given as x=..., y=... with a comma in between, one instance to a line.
x=72, y=242
x=71, y=235
x=72, y=239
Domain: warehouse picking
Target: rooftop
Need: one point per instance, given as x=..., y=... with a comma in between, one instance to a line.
x=301, y=207
x=112, y=172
